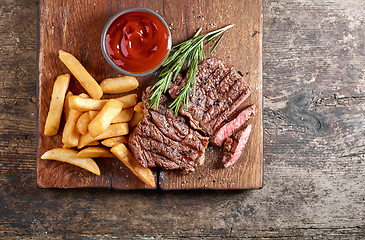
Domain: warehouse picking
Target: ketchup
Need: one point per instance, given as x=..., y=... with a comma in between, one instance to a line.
x=137, y=41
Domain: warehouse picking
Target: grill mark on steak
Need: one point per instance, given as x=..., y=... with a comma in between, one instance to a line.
x=218, y=94
x=165, y=140
x=181, y=158
x=211, y=99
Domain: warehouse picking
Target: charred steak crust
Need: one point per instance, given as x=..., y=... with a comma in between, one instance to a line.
x=164, y=140
x=219, y=91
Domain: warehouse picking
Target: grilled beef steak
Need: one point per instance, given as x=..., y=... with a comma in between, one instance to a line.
x=228, y=128
x=233, y=147
x=164, y=140
x=173, y=142
x=219, y=91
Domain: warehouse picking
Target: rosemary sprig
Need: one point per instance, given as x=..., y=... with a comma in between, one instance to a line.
x=190, y=51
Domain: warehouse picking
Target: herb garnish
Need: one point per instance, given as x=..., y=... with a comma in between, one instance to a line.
x=190, y=51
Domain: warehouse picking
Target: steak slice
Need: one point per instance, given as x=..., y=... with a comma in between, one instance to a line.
x=219, y=91
x=165, y=140
x=233, y=148
x=227, y=129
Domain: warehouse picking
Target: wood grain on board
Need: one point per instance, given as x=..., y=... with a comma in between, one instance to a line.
x=75, y=27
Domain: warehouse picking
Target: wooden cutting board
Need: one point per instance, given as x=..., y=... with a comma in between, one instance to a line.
x=75, y=26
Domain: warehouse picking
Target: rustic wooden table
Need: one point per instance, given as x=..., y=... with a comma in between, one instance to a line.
x=314, y=143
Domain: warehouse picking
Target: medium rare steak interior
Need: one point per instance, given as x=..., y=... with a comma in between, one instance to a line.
x=219, y=91
x=233, y=147
x=164, y=140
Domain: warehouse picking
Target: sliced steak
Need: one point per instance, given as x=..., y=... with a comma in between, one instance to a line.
x=233, y=147
x=219, y=91
x=228, y=128
x=164, y=140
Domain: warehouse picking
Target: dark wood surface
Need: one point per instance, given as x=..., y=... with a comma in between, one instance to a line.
x=242, y=47
x=314, y=104
x=61, y=26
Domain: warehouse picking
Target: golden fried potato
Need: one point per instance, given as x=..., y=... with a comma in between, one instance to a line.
x=111, y=142
x=80, y=73
x=135, y=120
x=126, y=157
x=83, y=122
x=86, y=104
x=114, y=130
x=124, y=116
x=56, y=106
x=70, y=156
x=95, y=152
x=119, y=84
x=70, y=136
x=128, y=101
x=104, y=118
x=139, y=107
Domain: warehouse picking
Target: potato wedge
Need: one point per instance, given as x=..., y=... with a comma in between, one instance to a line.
x=66, y=108
x=80, y=73
x=111, y=142
x=113, y=130
x=84, y=95
x=93, y=143
x=56, y=106
x=70, y=136
x=135, y=120
x=83, y=122
x=128, y=101
x=124, y=116
x=67, y=146
x=93, y=114
x=104, y=118
x=126, y=157
x=139, y=107
x=119, y=84
x=95, y=152
x=84, y=104
x=70, y=156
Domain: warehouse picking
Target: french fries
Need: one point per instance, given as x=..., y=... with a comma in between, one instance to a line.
x=126, y=157
x=70, y=136
x=86, y=104
x=113, y=130
x=70, y=156
x=93, y=114
x=93, y=143
x=135, y=120
x=124, y=116
x=66, y=108
x=90, y=119
x=104, y=118
x=139, y=107
x=85, y=79
x=95, y=152
x=119, y=84
x=83, y=123
x=111, y=142
x=56, y=106
x=84, y=95
x=128, y=101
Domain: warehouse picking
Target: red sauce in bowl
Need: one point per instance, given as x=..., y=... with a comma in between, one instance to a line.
x=137, y=42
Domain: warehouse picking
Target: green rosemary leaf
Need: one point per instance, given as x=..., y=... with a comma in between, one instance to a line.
x=190, y=52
